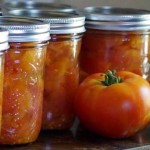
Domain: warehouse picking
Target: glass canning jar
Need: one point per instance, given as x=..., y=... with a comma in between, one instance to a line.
x=23, y=79
x=115, y=38
x=61, y=68
x=3, y=48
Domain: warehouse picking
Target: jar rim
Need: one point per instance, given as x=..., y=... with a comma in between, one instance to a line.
x=61, y=22
x=115, y=18
x=22, y=29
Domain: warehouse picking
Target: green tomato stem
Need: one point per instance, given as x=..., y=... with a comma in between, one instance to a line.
x=111, y=78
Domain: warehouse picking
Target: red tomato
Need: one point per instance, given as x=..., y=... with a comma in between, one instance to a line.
x=115, y=104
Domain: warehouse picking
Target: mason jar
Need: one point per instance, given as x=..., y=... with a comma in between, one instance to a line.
x=62, y=69
x=115, y=38
x=61, y=66
x=3, y=48
x=23, y=79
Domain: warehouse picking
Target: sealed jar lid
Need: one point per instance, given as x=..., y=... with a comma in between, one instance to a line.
x=61, y=23
x=3, y=40
x=113, y=18
x=38, y=5
x=25, y=29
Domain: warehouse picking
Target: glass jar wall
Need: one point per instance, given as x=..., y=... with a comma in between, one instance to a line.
x=119, y=50
x=23, y=93
x=61, y=80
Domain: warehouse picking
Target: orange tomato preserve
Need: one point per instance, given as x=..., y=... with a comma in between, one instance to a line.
x=119, y=50
x=61, y=81
x=23, y=93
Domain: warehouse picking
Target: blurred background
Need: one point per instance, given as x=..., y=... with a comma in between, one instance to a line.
x=142, y=4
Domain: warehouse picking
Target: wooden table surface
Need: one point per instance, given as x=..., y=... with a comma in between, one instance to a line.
x=80, y=139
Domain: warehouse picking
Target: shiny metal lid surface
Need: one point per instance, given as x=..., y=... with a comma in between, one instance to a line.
x=23, y=29
x=114, y=18
x=3, y=40
x=55, y=7
x=61, y=23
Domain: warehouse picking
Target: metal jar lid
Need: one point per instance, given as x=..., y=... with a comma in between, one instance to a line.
x=61, y=23
x=3, y=40
x=55, y=7
x=114, y=18
x=22, y=29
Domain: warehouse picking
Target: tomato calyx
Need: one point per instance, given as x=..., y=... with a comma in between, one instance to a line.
x=111, y=78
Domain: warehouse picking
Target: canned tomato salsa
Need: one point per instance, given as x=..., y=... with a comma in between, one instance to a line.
x=23, y=79
x=115, y=38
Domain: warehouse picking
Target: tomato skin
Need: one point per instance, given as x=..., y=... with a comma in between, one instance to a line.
x=118, y=110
